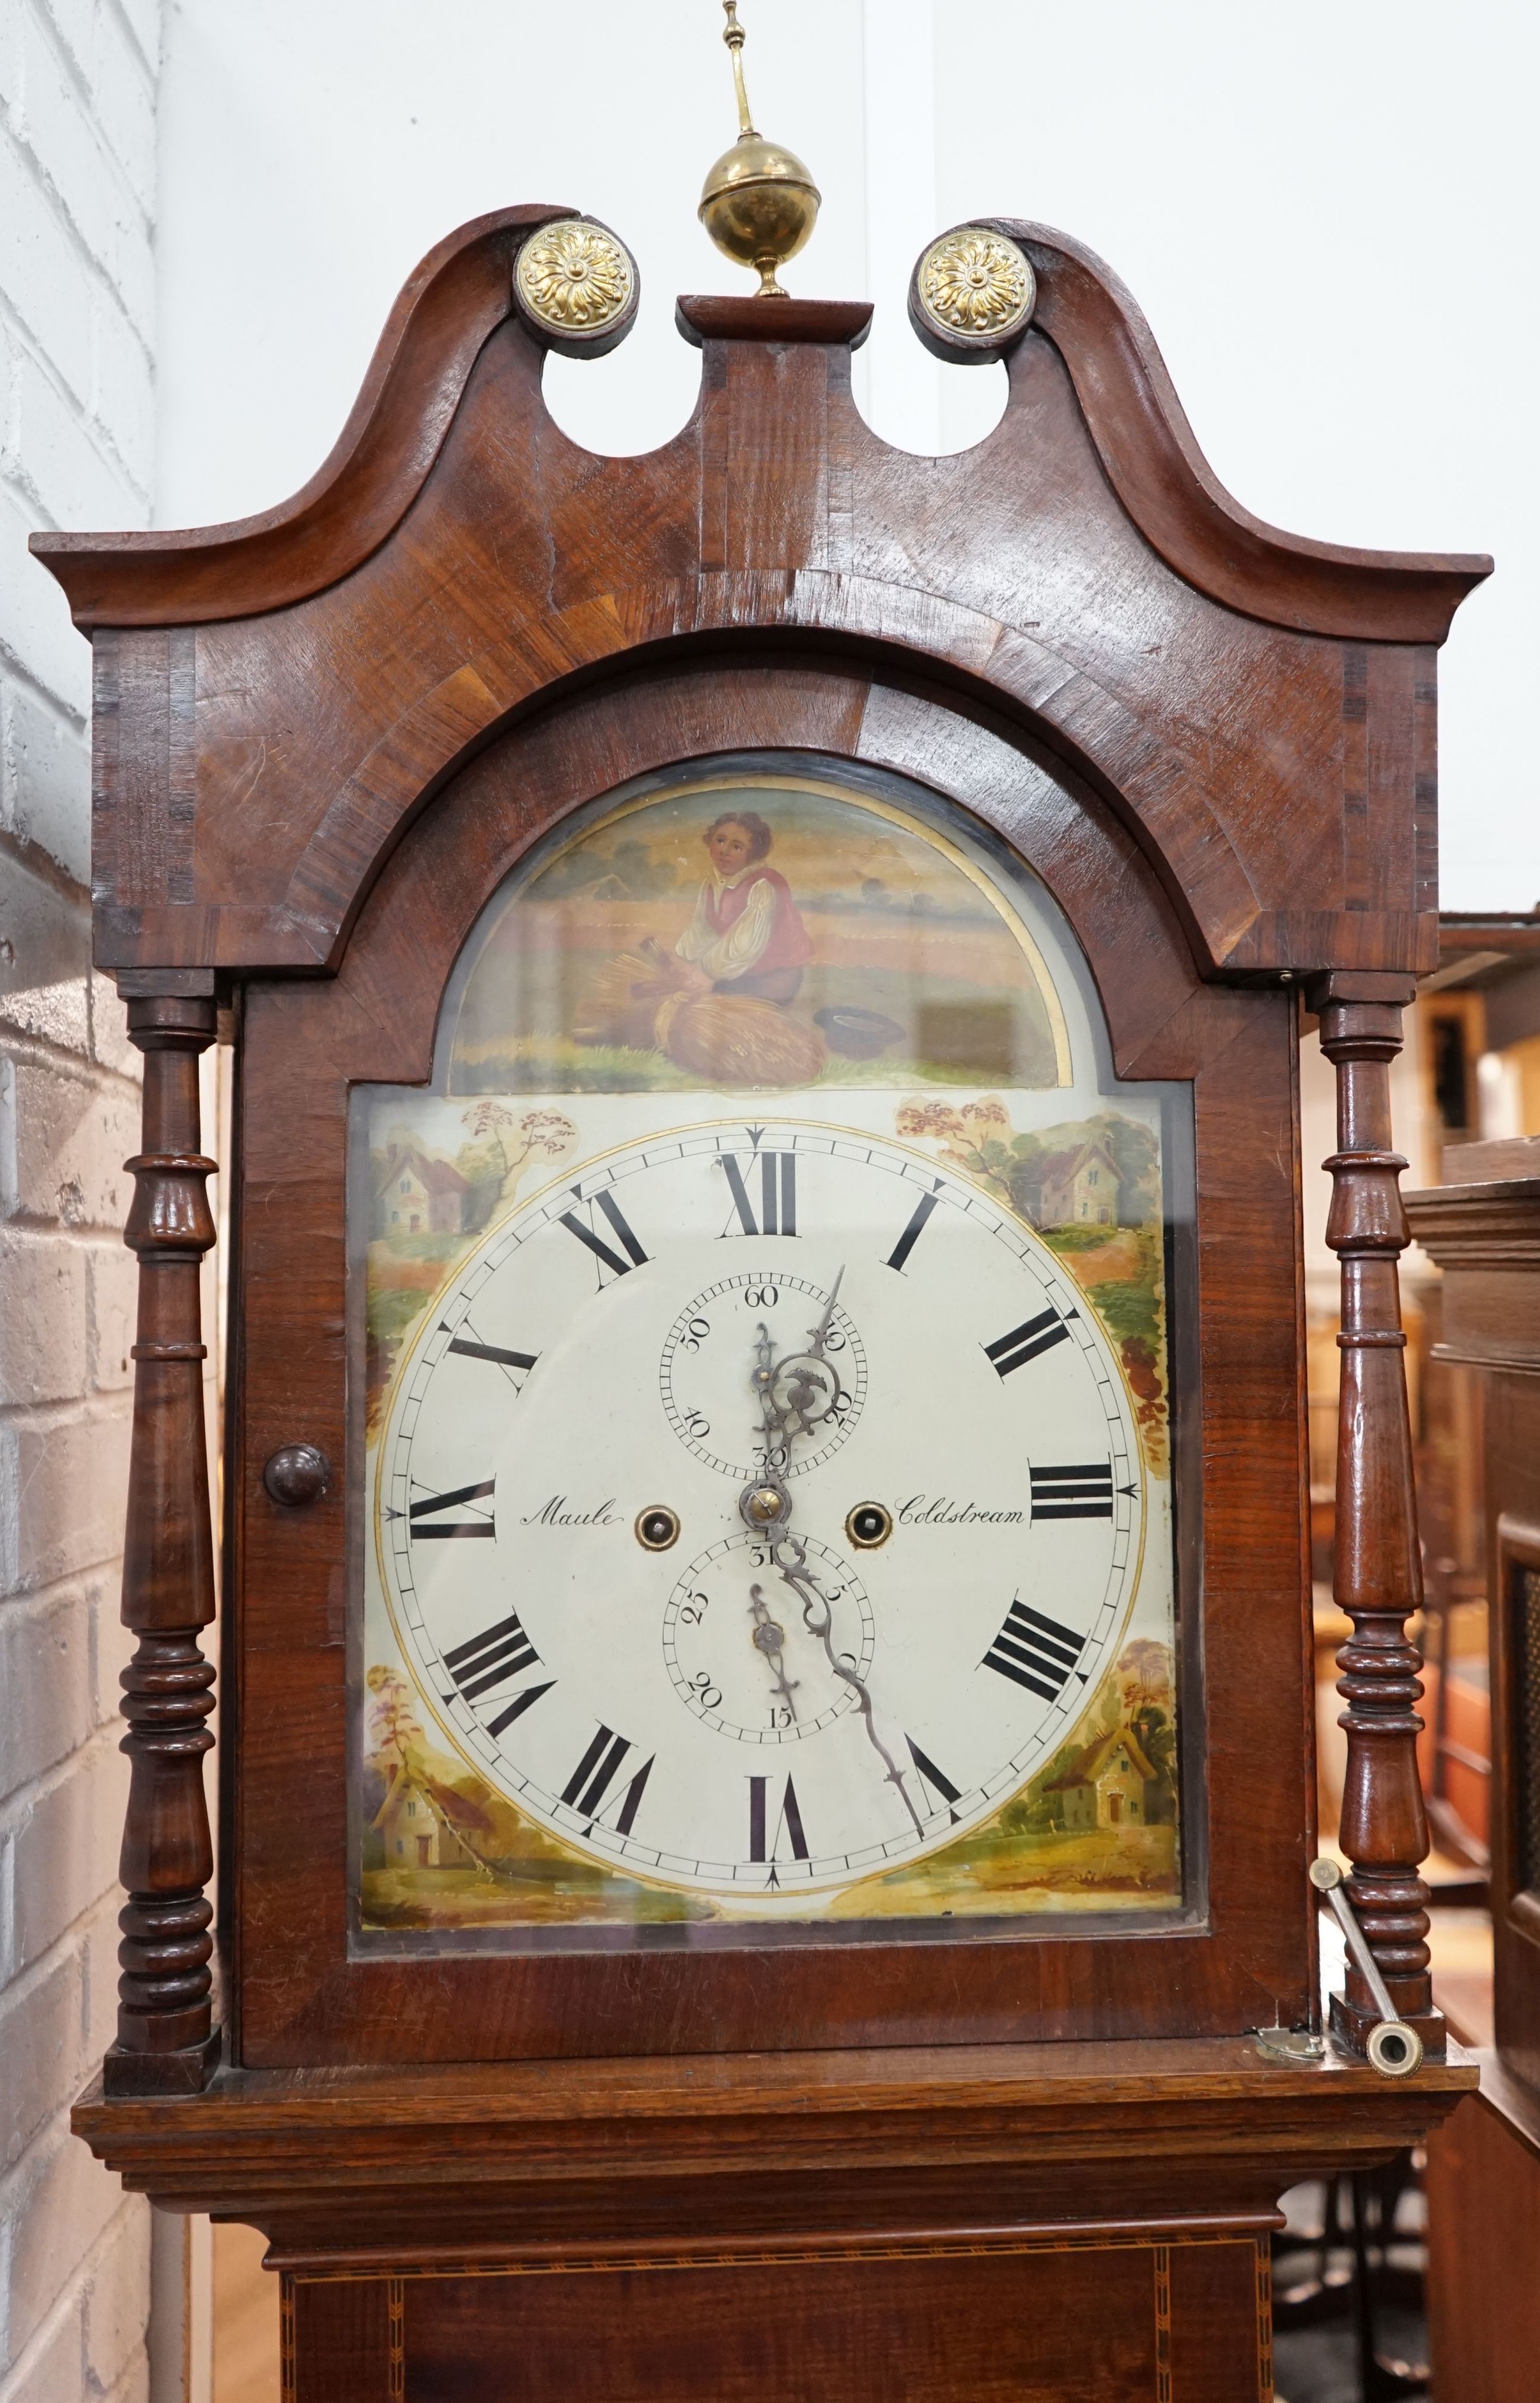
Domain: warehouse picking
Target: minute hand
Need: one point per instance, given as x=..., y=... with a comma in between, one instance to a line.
x=821, y=1332
x=789, y=1385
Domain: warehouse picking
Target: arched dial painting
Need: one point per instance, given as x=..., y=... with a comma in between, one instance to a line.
x=766, y=1396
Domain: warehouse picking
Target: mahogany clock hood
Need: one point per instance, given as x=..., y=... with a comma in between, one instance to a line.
x=1259, y=707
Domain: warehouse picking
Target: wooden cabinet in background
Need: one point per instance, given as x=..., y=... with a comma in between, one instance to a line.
x=1484, y=2167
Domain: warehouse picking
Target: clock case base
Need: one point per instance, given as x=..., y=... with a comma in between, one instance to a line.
x=1035, y=2222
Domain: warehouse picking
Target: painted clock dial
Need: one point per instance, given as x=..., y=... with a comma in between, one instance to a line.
x=770, y=1704
x=767, y=1500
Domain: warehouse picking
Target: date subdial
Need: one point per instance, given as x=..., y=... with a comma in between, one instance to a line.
x=704, y=1375
x=740, y=1654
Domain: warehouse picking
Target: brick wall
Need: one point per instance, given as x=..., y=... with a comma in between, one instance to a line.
x=77, y=95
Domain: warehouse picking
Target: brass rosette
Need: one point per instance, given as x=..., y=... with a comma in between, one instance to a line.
x=972, y=295
x=576, y=287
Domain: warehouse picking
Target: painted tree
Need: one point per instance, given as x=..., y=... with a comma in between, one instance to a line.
x=513, y=1142
x=394, y=1730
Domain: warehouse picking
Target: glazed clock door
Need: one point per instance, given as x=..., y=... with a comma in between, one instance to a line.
x=765, y=1395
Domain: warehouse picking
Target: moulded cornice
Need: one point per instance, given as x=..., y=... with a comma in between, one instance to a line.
x=461, y=292
x=1490, y=1225
x=457, y=296
x=1159, y=474
x=270, y=2146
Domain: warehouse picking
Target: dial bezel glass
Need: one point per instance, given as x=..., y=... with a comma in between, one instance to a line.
x=956, y=1140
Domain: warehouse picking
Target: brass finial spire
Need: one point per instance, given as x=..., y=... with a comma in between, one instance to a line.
x=759, y=204
x=735, y=38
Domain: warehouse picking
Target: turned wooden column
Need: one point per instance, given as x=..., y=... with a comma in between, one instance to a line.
x=1378, y=1580
x=166, y=2039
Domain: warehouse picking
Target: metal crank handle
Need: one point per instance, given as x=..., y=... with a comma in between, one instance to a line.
x=1394, y=2048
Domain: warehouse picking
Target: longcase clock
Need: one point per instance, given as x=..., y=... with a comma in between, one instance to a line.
x=764, y=1724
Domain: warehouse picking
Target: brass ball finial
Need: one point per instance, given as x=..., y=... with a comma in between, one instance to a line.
x=759, y=204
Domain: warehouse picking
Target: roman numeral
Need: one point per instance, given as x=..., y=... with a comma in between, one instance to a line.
x=913, y=1232
x=1035, y=1651
x=935, y=1780
x=515, y=1709
x=1073, y=1493
x=605, y=1252
x=789, y=1823
x=1028, y=1342
x=494, y=1351
x=485, y=1661
x=596, y=1772
x=488, y=1659
x=450, y=1528
x=777, y=1192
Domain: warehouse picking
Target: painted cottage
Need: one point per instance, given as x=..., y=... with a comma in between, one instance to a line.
x=415, y=1195
x=1110, y=1784
x=1077, y=1187
x=426, y=1824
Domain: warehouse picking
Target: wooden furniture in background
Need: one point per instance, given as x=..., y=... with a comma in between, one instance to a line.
x=1483, y=2294
x=1484, y=2169
x=1456, y=1750
x=322, y=738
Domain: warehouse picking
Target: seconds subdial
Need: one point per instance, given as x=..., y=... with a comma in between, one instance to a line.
x=703, y=1373
x=741, y=1654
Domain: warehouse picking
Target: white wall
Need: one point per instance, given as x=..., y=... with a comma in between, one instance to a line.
x=1327, y=212
x=78, y=81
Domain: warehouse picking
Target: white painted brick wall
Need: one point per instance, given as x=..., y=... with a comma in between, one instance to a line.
x=77, y=95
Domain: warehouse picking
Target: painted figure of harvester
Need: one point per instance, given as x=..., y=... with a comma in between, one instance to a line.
x=746, y=935
x=718, y=1005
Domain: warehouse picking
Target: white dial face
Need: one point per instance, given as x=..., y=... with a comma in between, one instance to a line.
x=893, y=1372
